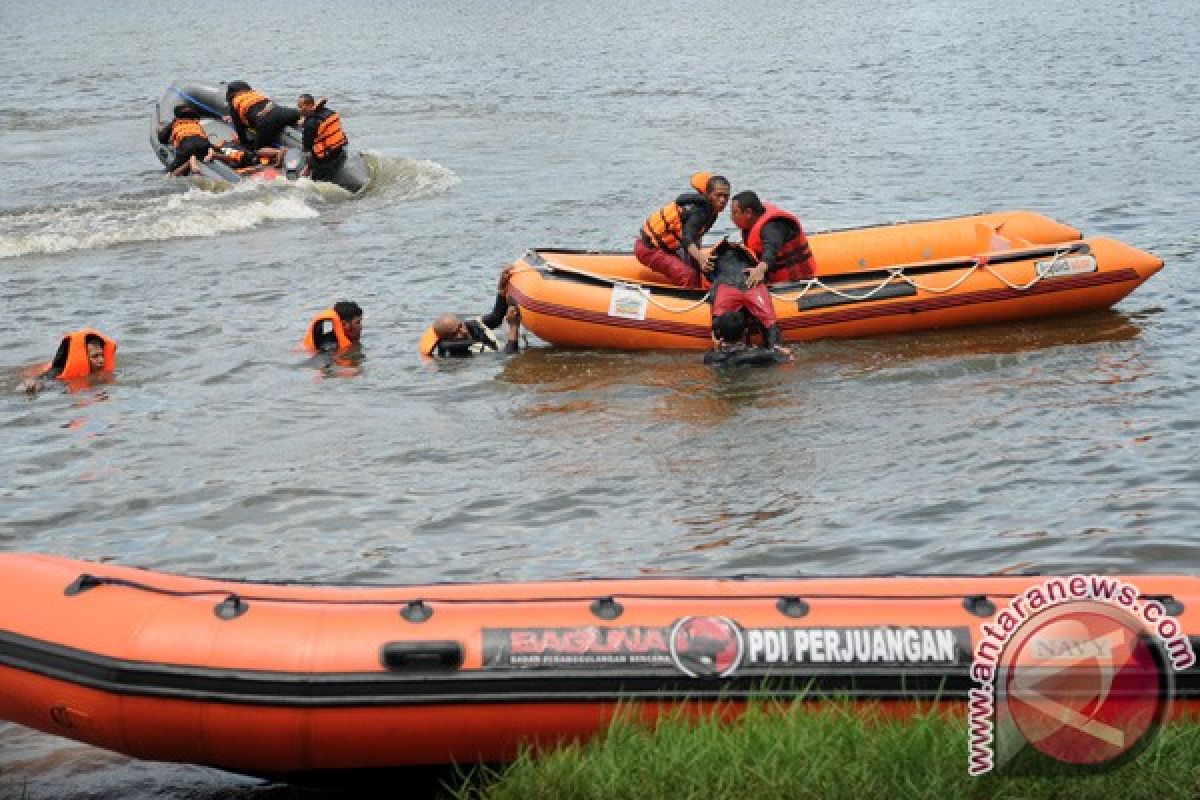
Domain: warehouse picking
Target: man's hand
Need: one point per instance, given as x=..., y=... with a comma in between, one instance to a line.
x=513, y=317
x=502, y=284
x=755, y=276
x=707, y=260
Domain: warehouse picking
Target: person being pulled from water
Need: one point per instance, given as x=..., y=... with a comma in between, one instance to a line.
x=324, y=141
x=336, y=329
x=669, y=242
x=250, y=110
x=187, y=137
x=733, y=300
x=776, y=238
x=80, y=354
x=240, y=158
x=459, y=338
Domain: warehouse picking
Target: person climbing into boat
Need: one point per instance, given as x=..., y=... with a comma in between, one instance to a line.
x=336, y=329
x=733, y=299
x=776, y=238
x=670, y=240
x=258, y=121
x=241, y=158
x=453, y=337
x=324, y=141
x=187, y=138
x=80, y=354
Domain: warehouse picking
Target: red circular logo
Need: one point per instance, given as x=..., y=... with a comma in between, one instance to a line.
x=705, y=647
x=1085, y=685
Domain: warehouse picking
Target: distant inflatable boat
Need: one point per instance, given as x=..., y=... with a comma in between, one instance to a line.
x=209, y=102
x=287, y=680
x=896, y=278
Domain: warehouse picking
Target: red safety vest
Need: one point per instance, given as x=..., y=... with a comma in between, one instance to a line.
x=793, y=252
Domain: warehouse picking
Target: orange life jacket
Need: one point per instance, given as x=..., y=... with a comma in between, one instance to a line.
x=244, y=101
x=794, y=251
x=664, y=228
x=185, y=128
x=314, y=330
x=330, y=136
x=73, y=363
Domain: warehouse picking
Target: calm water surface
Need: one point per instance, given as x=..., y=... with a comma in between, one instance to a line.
x=1062, y=445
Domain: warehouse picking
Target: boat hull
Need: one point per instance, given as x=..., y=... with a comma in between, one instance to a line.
x=279, y=679
x=899, y=278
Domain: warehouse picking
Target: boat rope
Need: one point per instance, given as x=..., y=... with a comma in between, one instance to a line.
x=895, y=274
x=405, y=594
x=980, y=262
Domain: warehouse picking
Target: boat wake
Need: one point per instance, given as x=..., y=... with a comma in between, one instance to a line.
x=147, y=217
x=206, y=209
x=407, y=178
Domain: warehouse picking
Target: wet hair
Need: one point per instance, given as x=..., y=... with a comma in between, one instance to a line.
x=184, y=111
x=92, y=338
x=347, y=310
x=235, y=87
x=730, y=327
x=748, y=201
x=307, y=99
x=714, y=182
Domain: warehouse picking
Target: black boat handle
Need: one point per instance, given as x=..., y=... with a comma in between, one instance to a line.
x=417, y=656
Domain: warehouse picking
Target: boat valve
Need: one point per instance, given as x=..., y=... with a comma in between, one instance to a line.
x=416, y=611
x=607, y=608
x=979, y=605
x=231, y=607
x=792, y=607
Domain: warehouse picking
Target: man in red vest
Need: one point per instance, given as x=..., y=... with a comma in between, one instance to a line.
x=775, y=237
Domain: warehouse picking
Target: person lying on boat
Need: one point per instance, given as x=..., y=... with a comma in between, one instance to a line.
x=453, y=337
x=252, y=111
x=80, y=354
x=733, y=265
x=324, y=141
x=669, y=242
x=731, y=347
x=335, y=330
x=240, y=158
x=776, y=238
x=187, y=137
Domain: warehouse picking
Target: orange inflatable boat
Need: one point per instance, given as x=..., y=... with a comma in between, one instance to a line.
x=284, y=680
x=894, y=278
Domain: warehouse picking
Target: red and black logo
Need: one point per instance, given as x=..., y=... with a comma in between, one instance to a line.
x=706, y=647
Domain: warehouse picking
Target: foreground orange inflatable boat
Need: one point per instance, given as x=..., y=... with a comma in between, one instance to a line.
x=894, y=278
x=285, y=680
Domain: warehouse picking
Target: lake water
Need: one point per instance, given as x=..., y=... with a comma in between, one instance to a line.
x=1069, y=444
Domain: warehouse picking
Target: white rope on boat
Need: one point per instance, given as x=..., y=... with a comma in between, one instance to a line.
x=894, y=274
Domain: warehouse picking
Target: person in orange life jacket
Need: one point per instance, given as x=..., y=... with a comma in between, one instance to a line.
x=79, y=354
x=458, y=338
x=187, y=137
x=776, y=238
x=251, y=110
x=731, y=295
x=335, y=330
x=239, y=157
x=669, y=242
x=324, y=142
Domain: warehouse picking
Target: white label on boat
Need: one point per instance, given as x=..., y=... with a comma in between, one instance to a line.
x=628, y=302
x=1066, y=265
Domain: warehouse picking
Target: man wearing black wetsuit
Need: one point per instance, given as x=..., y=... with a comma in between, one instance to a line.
x=458, y=338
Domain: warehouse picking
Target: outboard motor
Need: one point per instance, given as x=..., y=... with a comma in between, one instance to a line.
x=293, y=163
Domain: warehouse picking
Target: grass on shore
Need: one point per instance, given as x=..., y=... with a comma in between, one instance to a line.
x=815, y=751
